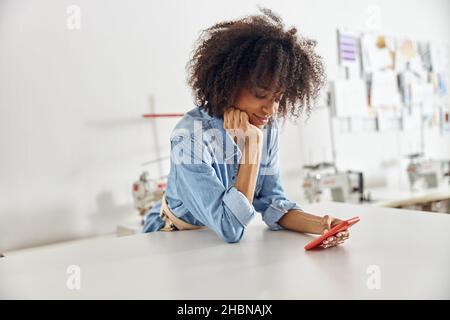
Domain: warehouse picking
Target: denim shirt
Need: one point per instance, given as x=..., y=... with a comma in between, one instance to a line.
x=203, y=169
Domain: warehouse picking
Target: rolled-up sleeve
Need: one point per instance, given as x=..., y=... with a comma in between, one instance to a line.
x=224, y=210
x=275, y=211
x=271, y=200
x=239, y=205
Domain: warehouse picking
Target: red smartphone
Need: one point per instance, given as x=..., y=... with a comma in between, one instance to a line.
x=344, y=225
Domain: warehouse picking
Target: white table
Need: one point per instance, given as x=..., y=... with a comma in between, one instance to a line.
x=411, y=250
x=393, y=197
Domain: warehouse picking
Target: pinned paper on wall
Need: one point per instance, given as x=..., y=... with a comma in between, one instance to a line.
x=384, y=89
x=405, y=53
x=440, y=66
x=445, y=120
x=412, y=119
x=439, y=57
x=377, y=53
x=424, y=51
x=349, y=52
x=440, y=82
x=404, y=82
x=406, y=48
x=389, y=119
x=417, y=68
x=414, y=57
x=342, y=125
x=348, y=48
x=350, y=98
x=363, y=124
x=422, y=93
x=428, y=110
x=430, y=116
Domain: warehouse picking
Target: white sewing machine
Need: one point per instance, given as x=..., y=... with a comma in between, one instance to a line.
x=426, y=173
x=344, y=186
x=146, y=192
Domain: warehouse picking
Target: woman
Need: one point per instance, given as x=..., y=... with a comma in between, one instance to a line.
x=245, y=75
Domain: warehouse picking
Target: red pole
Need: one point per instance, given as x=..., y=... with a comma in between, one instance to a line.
x=162, y=115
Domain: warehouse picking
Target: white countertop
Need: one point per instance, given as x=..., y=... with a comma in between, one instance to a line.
x=411, y=249
x=392, y=197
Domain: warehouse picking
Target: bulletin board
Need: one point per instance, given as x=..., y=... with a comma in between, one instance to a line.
x=390, y=83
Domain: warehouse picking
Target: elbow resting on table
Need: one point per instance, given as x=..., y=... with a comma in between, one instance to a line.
x=232, y=235
x=235, y=238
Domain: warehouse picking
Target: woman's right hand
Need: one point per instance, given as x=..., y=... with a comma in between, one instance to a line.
x=327, y=223
x=236, y=123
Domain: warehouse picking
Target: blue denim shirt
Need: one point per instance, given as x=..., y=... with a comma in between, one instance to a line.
x=200, y=187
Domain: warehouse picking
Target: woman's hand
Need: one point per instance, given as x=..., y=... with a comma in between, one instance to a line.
x=327, y=224
x=237, y=124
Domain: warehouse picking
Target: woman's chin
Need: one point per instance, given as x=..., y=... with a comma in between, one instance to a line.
x=257, y=124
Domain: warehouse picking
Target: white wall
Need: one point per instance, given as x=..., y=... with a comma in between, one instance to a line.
x=71, y=137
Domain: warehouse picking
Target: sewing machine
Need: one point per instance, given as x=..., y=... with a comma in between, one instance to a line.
x=429, y=172
x=344, y=186
x=146, y=192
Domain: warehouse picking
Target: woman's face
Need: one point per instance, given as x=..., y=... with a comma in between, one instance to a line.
x=260, y=104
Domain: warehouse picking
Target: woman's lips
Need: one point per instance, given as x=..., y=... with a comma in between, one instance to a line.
x=261, y=119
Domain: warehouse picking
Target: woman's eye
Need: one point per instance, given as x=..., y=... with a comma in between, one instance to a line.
x=260, y=95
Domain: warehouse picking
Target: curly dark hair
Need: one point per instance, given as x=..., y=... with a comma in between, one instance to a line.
x=251, y=52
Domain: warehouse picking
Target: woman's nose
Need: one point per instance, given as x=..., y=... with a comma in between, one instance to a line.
x=270, y=109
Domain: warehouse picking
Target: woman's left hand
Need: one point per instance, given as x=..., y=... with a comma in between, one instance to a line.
x=328, y=223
